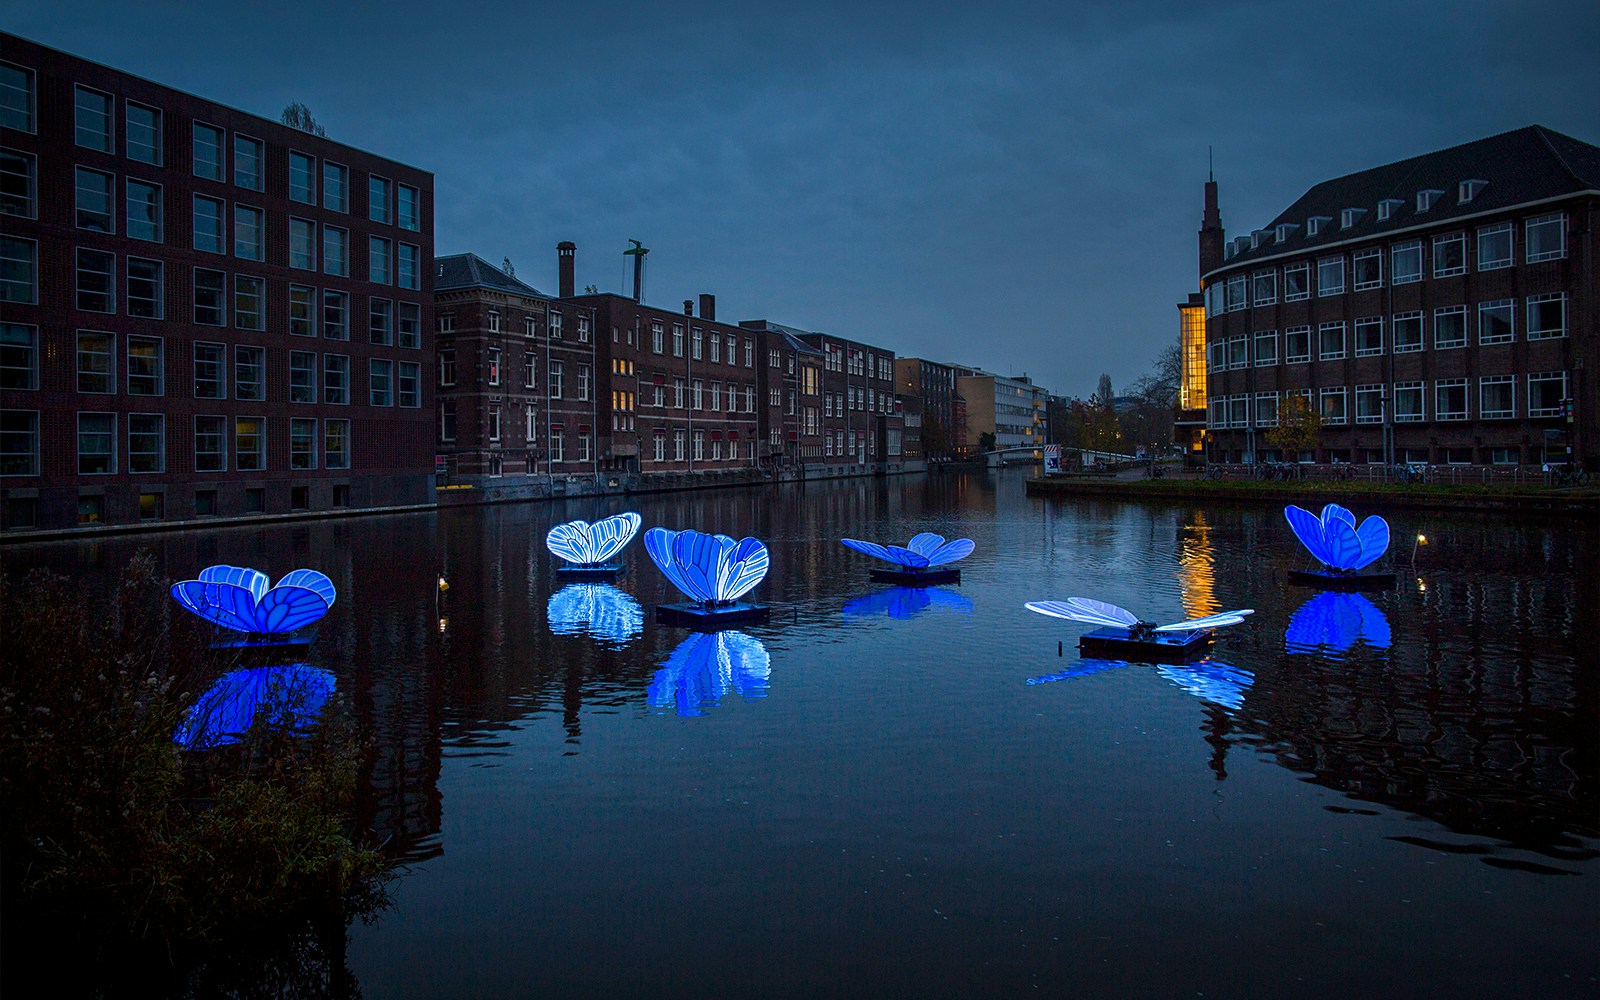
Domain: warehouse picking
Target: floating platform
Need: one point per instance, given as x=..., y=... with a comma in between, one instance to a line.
x=916, y=577
x=590, y=571
x=1328, y=579
x=698, y=616
x=258, y=647
x=1160, y=647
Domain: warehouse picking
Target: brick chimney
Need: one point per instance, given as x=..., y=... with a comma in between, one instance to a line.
x=688, y=307
x=566, y=257
x=708, y=306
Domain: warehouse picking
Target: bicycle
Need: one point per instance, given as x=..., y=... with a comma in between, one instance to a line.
x=1570, y=477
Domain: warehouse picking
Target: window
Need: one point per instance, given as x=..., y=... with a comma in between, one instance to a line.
x=1497, y=397
x=210, y=371
x=1450, y=399
x=585, y=447
x=409, y=207
x=1238, y=415
x=303, y=244
x=97, y=288
x=1449, y=255
x=1505, y=456
x=247, y=243
x=1545, y=238
x=1369, y=336
x=247, y=162
x=302, y=311
x=208, y=224
x=97, y=444
x=207, y=152
x=1450, y=327
x=1546, y=393
x=146, y=288
x=378, y=265
x=1468, y=190
x=1406, y=262
x=378, y=199
x=677, y=393
x=1238, y=352
x=336, y=444
x=97, y=370
x=143, y=126
x=1368, y=268
x=335, y=251
x=656, y=336
x=1494, y=246
x=19, y=184
x=147, y=442
x=1407, y=332
x=697, y=391
x=447, y=367
x=336, y=379
x=1266, y=348
x=210, y=449
x=17, y=272
x=249, y=444
x=1234, y=297
x=1297, y=344
x=1266, y=409
x=19, y=356
x=553, y=377
x=1547, y=316
x=749, y=353
x=94, y=199
x=335, y=315
x=302, y=377
x=1330, y=276
x=1330, y=341
x=19, y=443
x=302, y=178
x=410, y=324
x=1495, y=321
x=249, y=373
x=658, y=445
x=699, y=446
x=409, y=379
x=1407, y=402
x=677, y=340
x=302, y=443
x=335, y=187
x=494, y=365
x=406, y=273
x=558, y=443
x=249, y=306
x=1297, y=282
x=1265, y=288
x=584, y=333
x=583, y=381
x=16, y=97
x=380, y=321
x=447, y=420
x=696, y=344
x=210, y=297
x=144, y=211
x=494, y=322
x=93, y=119
x=1369, y=404
x=146, y=368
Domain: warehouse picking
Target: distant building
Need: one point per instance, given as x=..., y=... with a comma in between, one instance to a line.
x=1012, y=409
x=203, y=312
x=1439, y=309
x=933, y=387
x=792, y=385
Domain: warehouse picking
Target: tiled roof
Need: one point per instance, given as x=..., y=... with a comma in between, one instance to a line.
x=468, y=270
x=1526, y=165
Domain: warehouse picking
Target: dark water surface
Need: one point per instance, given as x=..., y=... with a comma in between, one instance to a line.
x=911, y=796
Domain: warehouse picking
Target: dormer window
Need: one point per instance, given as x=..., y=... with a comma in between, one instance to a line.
x=1241, y=244
x=1315, y=223
x=1256, y=237
x=1387, y=207
x=1425, y=199
x=1350, y=217
x=1228, y=250
x=1468, y=190
x=1286, y=230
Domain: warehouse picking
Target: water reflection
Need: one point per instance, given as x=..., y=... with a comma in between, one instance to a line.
x=904, y=603
x=706, y=666
x=291, y=694
x=598, y=610
x=1336, y=621
x=1210, y=681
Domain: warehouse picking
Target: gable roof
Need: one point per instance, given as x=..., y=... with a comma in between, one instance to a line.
x=468, y=270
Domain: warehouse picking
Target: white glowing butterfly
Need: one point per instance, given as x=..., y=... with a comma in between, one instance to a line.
x=1082, y=609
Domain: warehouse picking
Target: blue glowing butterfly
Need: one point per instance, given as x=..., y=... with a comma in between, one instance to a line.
x=1082, y=609
x=1083, y=668
x=710, y=569
x=595, y=609
x=906, y=602
x=1210, y=681
x=1336, y=620
x=707, y=666
x=293, y=695
x=586, y=544
x=1335, y=540
x=237, y=597
x=924, y=551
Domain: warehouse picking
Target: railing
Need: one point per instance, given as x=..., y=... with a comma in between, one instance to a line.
x=1410, y=472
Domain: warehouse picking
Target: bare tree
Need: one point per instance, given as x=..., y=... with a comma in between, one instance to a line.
x=297, y=115
x=1102, y=389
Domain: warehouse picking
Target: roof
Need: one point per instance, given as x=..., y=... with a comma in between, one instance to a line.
x=791, y=334
x=468, y=270
x=1530, y=164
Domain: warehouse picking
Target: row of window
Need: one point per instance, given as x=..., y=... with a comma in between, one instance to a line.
x=145, y=449
x=445, y=323
x=854, y=398
x=1545, y=319
x=699, y=343
x=1497, y=400
x=1466, y=191
x=1544, y=238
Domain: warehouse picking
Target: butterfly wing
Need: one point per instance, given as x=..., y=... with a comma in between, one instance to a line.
x=872, y=549
x=1217, y=620
x=1308, y=528
x=288, y=609
x=253, y=580
x=1373, y=537
x=950, y=552
x=1082, y=609
x=226, y=604
x=572, y=541
x=903, y=556
x=924, y=543
x=310, y=579
x=610, y=536
x=1344, y=547
x=742, y=568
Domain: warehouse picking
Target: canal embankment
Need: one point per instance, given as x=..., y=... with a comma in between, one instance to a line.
x=1581, y=501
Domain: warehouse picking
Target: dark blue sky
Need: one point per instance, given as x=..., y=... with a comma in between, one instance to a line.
x=1009, y=185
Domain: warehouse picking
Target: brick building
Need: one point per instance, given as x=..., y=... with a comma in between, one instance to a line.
x=518, y=382
x=1440, y=309
x=792, y=387
x=928, y=388
x=205, y=312
x=860, y=423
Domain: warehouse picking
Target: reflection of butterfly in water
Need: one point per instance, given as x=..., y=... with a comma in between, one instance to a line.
x=596, y=609
x=1335, y=540
x=1082, y=609
x=924, y=551
x=1208, y=680
x=706, y=666
x=586, y=544
x=1336, y=620
x=238, y=598
x=906, y=602
x=711, y=569
x=293, y=695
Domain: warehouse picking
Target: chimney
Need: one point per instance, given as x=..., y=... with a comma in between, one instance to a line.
x=565, y=251
x=708, y=306
x=688, y=307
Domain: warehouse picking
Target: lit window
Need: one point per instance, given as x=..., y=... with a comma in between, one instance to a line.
x=249, y=444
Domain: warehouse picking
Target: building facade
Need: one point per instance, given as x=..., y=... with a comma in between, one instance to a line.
x=792, y=386
x=1441, y=309
x=1011, y=409
x=929, y=389
x=860, y=425
x=203, y=312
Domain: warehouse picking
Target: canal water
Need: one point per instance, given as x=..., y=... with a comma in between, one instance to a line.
x=888, y=793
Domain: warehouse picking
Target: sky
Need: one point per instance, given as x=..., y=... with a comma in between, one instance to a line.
x=1014, y=186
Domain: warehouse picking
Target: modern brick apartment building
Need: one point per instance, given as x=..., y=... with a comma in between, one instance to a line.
x=203, y=312
x=1440, y=309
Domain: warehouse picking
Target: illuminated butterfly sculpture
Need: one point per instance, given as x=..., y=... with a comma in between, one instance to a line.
x=711, y=570
x=293, y=695
x=923, y=552
x=595, y=609
x=707, y=666
x=585, y=544
x=238, y=598
x=1335, y=540
x=1082, y=609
